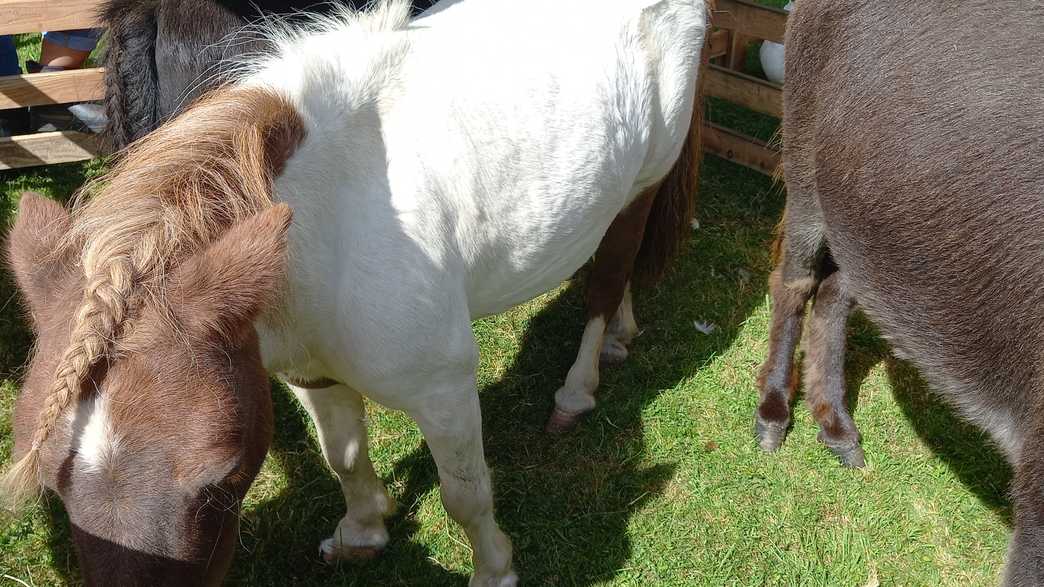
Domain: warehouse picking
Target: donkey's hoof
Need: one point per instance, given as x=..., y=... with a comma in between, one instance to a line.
x=613, y=352
x=851, y=455
x=561, y=421
x=332, y=553
x=770, y=434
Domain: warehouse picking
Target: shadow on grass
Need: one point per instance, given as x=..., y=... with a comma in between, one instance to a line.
x=281, y=535
x=566, y=502
x=965, y=449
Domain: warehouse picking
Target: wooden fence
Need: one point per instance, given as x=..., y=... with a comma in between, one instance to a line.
x=737, y=22
x=38, y=89
x=740, y=22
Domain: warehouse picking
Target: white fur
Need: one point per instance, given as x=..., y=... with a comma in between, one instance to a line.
x=454, y=168
x=94, y=439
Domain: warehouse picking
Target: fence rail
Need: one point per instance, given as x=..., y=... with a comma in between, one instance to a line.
x=60, y=87
x=742, y=22
x=34, y=16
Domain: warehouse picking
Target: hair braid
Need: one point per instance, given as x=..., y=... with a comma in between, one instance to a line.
x=102, y=311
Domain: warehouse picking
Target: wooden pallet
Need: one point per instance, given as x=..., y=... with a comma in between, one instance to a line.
x=39, y=89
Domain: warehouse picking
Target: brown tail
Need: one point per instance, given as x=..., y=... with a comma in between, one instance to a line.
x=673, y=208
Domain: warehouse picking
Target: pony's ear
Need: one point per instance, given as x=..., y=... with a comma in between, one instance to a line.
x=31, y=244
x=221, y=290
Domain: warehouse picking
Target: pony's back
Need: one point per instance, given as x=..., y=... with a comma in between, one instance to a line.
x=505, y=122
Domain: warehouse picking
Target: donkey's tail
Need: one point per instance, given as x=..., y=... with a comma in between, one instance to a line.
x=131, y=86
x=674, y=206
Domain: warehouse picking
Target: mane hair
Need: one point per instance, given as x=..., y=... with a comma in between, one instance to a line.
x=287, y=35
x=174, y=192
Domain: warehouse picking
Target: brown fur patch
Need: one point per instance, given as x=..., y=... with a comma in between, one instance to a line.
x=614, y=261
x=173, y=194
x=191, y=180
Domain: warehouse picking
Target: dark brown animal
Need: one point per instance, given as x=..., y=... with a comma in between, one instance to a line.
x=164, y=54
x=914, y=162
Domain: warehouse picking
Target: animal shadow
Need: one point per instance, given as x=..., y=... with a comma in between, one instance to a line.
x=965, y=449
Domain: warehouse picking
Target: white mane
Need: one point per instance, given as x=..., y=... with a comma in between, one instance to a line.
x=304, y=39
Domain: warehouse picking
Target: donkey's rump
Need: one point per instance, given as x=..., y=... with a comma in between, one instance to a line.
x=939, y=170
x=914, y=143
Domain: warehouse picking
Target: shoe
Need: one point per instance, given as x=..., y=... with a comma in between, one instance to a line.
x=90, y=115
x=55, y=117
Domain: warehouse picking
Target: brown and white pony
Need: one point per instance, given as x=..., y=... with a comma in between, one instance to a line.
x=437, y=172
x=914, y=161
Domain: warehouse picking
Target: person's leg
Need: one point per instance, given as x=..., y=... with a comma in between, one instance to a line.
x=60, y=51
x=8, y=56
x=67, y=49
x=12, y=122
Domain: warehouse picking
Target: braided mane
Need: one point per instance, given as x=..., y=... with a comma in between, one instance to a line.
x=172, y=193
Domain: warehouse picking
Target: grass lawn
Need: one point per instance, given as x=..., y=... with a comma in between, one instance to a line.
x=662, y=485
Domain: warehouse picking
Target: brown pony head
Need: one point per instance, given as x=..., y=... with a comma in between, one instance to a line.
x=170, y=428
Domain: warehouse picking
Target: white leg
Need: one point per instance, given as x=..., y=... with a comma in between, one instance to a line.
x=340, y=421
x=576, y=397
x=451, y=421
x=621, y=331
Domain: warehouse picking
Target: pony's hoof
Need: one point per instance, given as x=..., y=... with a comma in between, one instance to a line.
x=613, y=352
x=851, y=455
x=561, y=421
x=770, y=434
x=332, y=553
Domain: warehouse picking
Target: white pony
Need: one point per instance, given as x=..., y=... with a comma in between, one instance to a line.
x=438, y=171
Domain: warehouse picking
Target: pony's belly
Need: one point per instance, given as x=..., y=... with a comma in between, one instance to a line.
x=528, y=272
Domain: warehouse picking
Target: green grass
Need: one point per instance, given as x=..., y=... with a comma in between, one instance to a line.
x=662, y=485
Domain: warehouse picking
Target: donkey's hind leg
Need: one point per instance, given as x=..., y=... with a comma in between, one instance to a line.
x=340, y=421
x=607, y=286
x=824, y=371
x=1025, y=565
x=791, y=284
